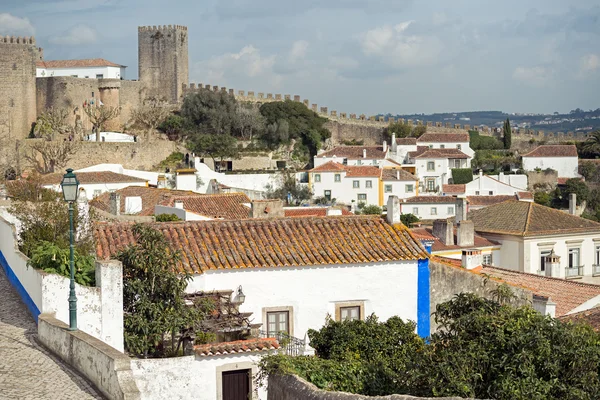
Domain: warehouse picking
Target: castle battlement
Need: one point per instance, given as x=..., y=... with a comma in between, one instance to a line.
x=162, y=28
x=17, y=40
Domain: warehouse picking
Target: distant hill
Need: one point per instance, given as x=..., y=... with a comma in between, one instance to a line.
x=575, y=120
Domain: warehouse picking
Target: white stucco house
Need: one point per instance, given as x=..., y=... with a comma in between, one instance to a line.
x=93, y=68
x=459, y=141
x=354, y=155
x=293, y=273
x=429, y=207
x=347, y=184
x=561, y=158
x=484, y=185
x=93, y=184
x=434, y=166
x=528, y=232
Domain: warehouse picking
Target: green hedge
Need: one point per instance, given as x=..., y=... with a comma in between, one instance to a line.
x=461, y=175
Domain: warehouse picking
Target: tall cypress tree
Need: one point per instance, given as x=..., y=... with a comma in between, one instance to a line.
x=507, y=134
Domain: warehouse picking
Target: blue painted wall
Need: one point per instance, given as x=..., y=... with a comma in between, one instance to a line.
x=423, y=304
x=14, y=281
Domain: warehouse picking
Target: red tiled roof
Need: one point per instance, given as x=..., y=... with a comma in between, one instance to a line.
x=88, y=62
x=443, y=138
x=407, y=141
x=150, y=198
x=420, y=150
x=358, y=171
x=442, y=153
x=454, y=189
x=431, y=199
x=329, y=166
x=355, y=152
x=91, y=177
x=562, y=181
x=426, y=234
x=397, y=175
x=239, y=346
x=298, y=212
x=567, y=294
x=524, y=218
x=272, y=243
x=553, y=150
x=485, y=201
x=525, y=195
x=221, y=206
x=591, y=316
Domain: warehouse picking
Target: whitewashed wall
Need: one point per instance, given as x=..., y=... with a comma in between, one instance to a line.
x=425, y=210
x=464, y=146
x=482, y=185
x=152, y=177
x=250, y=182
x=83, y=72
x=343, y=191
x=111, y=137
x=189, y=377
x=387, y=289
x=585, y=243
x=565, y=166
x=399, y=189
x=92, y=190
x=350, y=161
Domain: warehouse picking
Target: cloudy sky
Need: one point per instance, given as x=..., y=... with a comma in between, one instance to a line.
x=358, y=56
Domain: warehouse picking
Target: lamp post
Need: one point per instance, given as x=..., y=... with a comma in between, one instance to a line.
x=70, y=189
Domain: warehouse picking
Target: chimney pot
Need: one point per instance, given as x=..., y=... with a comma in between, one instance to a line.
x=393, y=210
x=384, y=146
x=552, y=265
x=471, y=258
x=461, y=209
x=364, y=153
x=465, y=233
x=443, y=230
x=572, y=203
x=398, y=174
x=179, y=204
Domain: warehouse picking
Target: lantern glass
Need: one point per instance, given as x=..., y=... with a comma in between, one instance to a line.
x=70, y=186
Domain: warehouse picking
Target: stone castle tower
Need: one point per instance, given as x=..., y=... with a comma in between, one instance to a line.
x=163, y=60
x=18, y=56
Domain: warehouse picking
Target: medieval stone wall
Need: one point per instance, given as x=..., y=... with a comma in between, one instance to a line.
x=163, y=60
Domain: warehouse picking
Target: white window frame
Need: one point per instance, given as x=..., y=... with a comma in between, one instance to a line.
x=337, y=178
x=409, y=188
x=432, y=163
x=450, y=210
x=369, y=184
x=415, y=210
x=317, y=178
x=361, y=200
x=355, y=184
x=433, y=211
x=489, y=258
x=387, y=188
x=459, y=147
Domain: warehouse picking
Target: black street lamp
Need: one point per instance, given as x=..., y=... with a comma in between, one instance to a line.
x=70, y=189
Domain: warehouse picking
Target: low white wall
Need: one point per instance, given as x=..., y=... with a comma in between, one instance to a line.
x=108, y=369
x=152, y=177
x=190, y=377
x=99, y=309
x=252, y=182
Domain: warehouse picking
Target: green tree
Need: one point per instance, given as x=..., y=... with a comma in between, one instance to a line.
x=589, y=170
x=156, y=316
x=461, y=175
x=409, y=219
x=507, y=134
x=173, y=126
x=51, y=258
x=166, y=218
x=480, y=142
x=217, y=147
x=210, y=112
x=402, y=130
x=289, y=189
x=371, y=209
x=577, y=186
x=543, y=198
x=592, y=145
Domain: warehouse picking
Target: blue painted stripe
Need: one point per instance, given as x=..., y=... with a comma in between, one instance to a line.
x=423, y=306
x=12, y=278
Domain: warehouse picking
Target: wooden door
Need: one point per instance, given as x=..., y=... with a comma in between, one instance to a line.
x=236, y=385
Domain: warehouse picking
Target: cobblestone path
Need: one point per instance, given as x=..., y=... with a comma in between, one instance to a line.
x=27, y=370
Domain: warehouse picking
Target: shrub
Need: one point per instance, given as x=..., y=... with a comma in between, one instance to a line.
x=409, y=219
x=166, y=218
x=462, y=175
x=54, y=259
x=370, y=209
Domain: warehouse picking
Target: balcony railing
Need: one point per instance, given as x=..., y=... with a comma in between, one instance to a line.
x=574, y=272
x=292, y=346
x=595, y=270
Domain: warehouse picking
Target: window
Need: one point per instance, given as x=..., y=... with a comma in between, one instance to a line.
x=349, y=311
x=456, y=163
x=409, y=188
x=358, y=162
x=477, y=193
x=87, y=76
x=487, y=259
x=431, y=146
x=442, y=146
x=387, y=188
x=277, y=321
x=345, y=161
x=433, y=210
x=450, y=210
x=327, y=195
x=317, y=177
x=491, y=192
x=415, y=211
x=597, y=256
x=97, y=192
x=430, y=166
x=337, y=177
x=543, y=255
x=99, y=76
x=369, y=184
x=573, y=258
x=458, y=146
x=362, y=197
x=74, y=76
x=431, y=185
x=356, y=184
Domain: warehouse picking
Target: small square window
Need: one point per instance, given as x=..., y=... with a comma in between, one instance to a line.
x=450, y=210
x=278, y=322
x=356, y=184
x=337, y=177
x=345, y=161
x=442, y=146
x=431, y=146
x=491, y=192
x=433, y=210
x=358, y=162
x=487, y=259
x=99, y=76
x=387, y=188
x=350, y=313
x=430, y=166
x=477, y=193
x=458, y=146
x=362, y=197
x=415, y=211
x=369, y=184
x=317, y=177
x=409, y=188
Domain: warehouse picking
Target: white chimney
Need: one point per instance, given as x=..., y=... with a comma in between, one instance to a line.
x=364, y=153
x=461, y=209
x=544, y=305
x=394, y=145
x=552, y=265
x=331, y=212
x=384, y=146
x=471, y=258
x=398, y=174
x=572, y=203
x=178, y=204
x=393, y=210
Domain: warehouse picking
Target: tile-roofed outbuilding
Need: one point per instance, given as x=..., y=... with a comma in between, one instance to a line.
x=272, y=243
x=443, y=138
x=300, y=212
x=443, y=153
x=454, y=188
x=524, y=218
x=329, y=166
x=356, y=152
x=150, y=197
x=218, y=206
x=238, y=346
x=425, y=233
x=431, y=199
x=88, y=62
x=407, y=141
x=553, y=150
x=91, y=177
x=397, y=175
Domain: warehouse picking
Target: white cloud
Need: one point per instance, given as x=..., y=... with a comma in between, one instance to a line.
x=394, y=46
x=76, y=36
x=590, y=63
x=533, y=76
x=15, y=26
x=298, y=51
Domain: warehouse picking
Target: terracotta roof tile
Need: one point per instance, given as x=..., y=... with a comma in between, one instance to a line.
x=442, y=153
x=454, y=189
x=407, y=141
x=355, y=152
x=329, y=166
x=420, y=150
x=553, y=150
x=150, y=198
x=221, y=206
x=397, y=175
x=91, y=177
x=591, y=316
x=298, y=212
x=485, y=201
x=525, y=195
x=431, y=199
x=238, y=346
x=362, y=171
x=524, y=218
x=443, y=137
x=426, y=234
x=88, y=62
x=272, y=243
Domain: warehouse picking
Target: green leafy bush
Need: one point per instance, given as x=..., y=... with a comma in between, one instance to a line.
x=480, y=142
x=409, y=219
x=462, y=175
x=370, y=209
x=166, y=218
x=54, y=259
